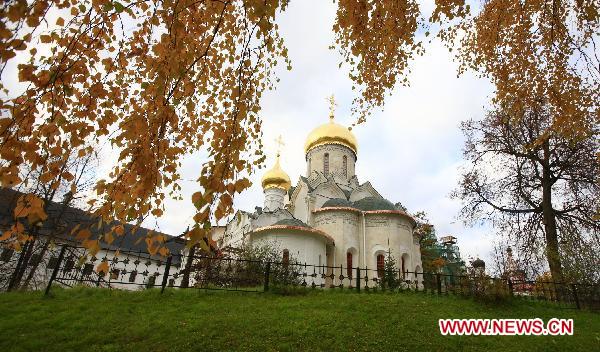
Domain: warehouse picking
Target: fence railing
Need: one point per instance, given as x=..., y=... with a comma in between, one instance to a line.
x=69, y=266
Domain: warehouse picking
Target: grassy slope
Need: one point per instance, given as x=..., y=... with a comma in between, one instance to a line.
x=101, y=320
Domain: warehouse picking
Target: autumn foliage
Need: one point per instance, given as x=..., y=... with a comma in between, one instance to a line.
x=158, y=80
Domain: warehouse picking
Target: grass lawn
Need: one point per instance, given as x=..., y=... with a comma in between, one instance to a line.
x=190, y=320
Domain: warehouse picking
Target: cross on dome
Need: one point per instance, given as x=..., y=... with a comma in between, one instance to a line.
x=332, y=105
x=280, y=144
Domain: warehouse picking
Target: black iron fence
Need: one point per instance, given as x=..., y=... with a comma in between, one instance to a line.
x=69, y=266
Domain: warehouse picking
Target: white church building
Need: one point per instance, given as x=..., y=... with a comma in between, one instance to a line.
x=328, y=218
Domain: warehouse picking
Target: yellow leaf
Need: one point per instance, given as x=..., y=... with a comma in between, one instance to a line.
x=119, y=230
x=102, y=268
x=93, y=246
x=109, y=238
x=164, y=251
x=5, y=235
x=83, y=234
x=196, y=198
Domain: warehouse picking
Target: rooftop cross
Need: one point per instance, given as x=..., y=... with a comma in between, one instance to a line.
x=332, y=106
x=280, y=144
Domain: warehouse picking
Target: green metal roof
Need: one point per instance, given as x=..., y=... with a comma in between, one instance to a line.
x=374, y=203
x=337, y=203
x=291, y=222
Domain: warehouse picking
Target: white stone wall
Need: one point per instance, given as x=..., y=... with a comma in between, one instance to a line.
x=274, y=198
x=344, y=226
x=304, y=247
x=325, y=192
x=239, y=225
x=123, y=274
x=367, y=235
x=301, y=203
x=393, y=232
x=314, y=161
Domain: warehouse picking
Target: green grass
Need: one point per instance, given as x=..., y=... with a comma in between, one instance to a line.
x=190, y=320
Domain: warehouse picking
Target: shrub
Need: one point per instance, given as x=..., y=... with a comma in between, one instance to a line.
x=390, y=279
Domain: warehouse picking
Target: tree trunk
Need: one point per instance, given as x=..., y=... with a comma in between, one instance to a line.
x=549, y=216
x=185, y=282
x=35, y=265
x=23, y=267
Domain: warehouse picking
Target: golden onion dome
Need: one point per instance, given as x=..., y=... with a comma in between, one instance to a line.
x=331, y=133
x=276, y=178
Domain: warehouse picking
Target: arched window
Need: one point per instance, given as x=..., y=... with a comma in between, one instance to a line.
x=345, y=166
x=380, y=264
x=309, y=162
x=286, y=257
x=349, y=264
x=326, y=164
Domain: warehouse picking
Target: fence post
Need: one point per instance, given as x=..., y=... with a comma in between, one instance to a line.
x=55, y=270
x=166, y=274
x=357, y=279
x=574, y=288
x=439, y=283
x=510, y=287
x=267, y=273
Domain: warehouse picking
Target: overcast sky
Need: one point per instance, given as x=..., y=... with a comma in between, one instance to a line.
x=411, y=151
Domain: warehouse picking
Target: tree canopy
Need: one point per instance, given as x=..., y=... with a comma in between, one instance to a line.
x=161, y=79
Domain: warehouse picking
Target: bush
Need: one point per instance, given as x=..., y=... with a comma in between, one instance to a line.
x=489, y=290
x=246, y=269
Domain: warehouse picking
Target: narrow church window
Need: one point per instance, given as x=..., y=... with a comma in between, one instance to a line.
x=349, y=264
x=286, y=257
x=380, y=264
x=326, y=164
x=345, y=166
x=320, y=267
x=402, y=267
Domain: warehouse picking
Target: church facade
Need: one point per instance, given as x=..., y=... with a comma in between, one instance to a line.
x=328, y=218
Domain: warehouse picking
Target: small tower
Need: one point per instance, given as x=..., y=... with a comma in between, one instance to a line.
x=275, y=183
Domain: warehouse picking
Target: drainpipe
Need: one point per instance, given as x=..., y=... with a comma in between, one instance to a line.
x=364, y=240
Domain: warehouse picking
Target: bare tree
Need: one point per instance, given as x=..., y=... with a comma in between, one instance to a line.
x=537, y=187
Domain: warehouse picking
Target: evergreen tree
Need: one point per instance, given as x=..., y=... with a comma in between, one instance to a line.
x=390, y=278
